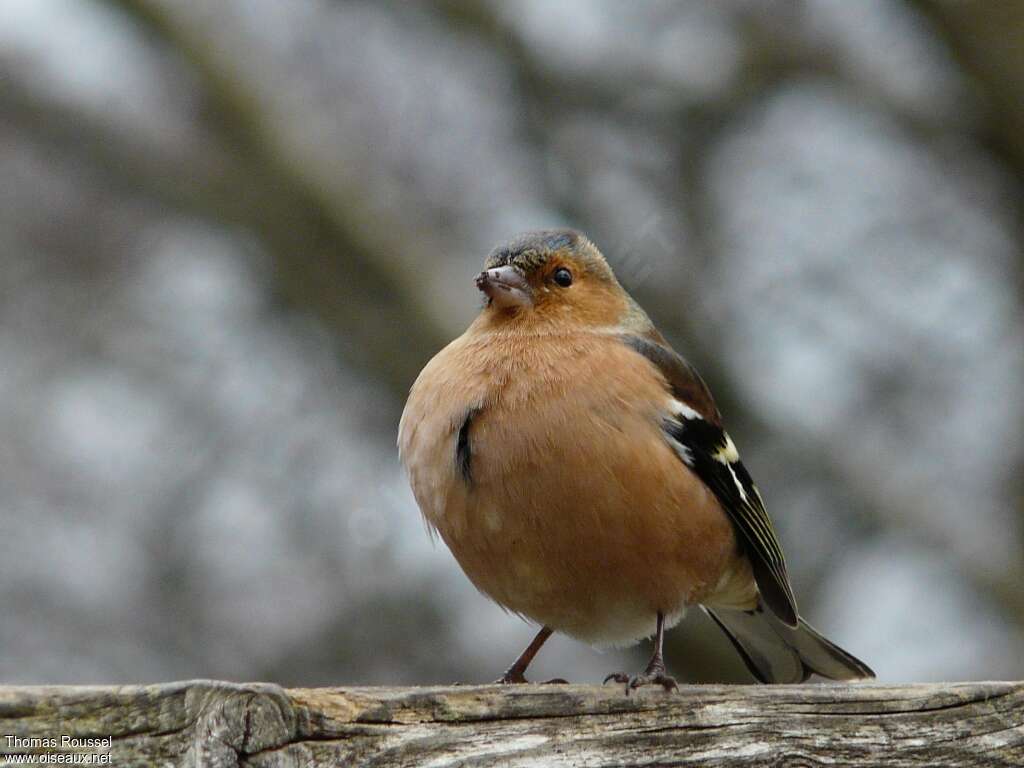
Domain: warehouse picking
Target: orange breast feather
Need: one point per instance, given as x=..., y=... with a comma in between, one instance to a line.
x=565, y=503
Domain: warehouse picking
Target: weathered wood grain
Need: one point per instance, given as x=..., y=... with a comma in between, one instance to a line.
x=211, y=723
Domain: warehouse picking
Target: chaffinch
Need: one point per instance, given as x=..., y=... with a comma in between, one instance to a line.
x=578, y=469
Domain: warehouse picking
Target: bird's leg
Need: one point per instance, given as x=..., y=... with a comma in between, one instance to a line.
x=655, y=673
x=514, y=674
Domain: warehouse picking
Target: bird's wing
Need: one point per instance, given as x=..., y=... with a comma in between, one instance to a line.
x=693, y=428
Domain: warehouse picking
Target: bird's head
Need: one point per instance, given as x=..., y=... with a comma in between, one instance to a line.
x=554, y=276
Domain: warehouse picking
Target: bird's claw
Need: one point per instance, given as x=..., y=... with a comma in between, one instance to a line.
x=654, y=677
x=659, y=678
x=512, y=677
x=517, y=678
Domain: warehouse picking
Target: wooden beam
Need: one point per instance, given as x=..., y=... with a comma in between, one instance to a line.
x=211, y=723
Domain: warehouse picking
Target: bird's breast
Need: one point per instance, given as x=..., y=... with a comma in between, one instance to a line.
x=542, y=465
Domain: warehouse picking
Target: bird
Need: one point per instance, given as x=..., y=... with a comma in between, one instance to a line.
x=578, y=469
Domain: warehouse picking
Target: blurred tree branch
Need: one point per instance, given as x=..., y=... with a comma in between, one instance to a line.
x=985, y=38
x=326, y=260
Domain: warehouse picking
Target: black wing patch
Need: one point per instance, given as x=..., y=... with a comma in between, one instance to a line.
x=463, y=451
x=709, y=452
x=695, y=432
x=687, y=385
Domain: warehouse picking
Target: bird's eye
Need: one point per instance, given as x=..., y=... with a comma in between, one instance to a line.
x=563, y=277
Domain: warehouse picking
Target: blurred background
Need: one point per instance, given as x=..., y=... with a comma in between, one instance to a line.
x=232, y=233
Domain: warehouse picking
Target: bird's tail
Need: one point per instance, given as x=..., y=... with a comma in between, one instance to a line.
x=774, y=652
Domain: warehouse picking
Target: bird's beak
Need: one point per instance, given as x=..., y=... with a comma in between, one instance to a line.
x=506, y=287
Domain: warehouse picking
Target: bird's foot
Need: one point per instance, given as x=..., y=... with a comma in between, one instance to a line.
x=511, y=677
x=653, y=675
x=515, y=677
x=665, y=681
